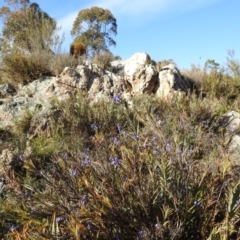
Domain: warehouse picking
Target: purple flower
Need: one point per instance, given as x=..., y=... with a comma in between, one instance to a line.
x=140, y=235
x=84, y=200
x=94, y=126
x=58, y=219
x=120, y=131
x=117, y=235
x=86, y=161
x=134, y=136
x=115, y=140
x=237, y=203
x=116, y=99
x=73, y=172
x=14, y=227
x=115, y=161
x=168, y=147
x=27, y=194
x=20, y=157
x=153, y=139
x=197, y=203
x=119, y=128
x=157, y=225
x=65, y=155
x=89, y=226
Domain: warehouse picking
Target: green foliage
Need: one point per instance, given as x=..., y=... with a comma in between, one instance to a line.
x=212, y=65
x=94, y=27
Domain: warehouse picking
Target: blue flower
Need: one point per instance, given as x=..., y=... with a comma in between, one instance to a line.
x=73, y=172
x=94, y=126
x=153, y=139
x=168, y=147
x=237, y=203
x=117, y=235
x=115, y=140
x=197, y=203
x=89, y=226
x=119, y=128
x=86, y=161
x=120, y=131
x=65, y=155
x=134, y=136
x=58, y=219
x=116, y=99
x=140, y=235
x=84, y=200
x=115, y=161
x=14, y=228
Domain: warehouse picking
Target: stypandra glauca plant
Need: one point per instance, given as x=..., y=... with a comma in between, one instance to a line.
x=157, y=170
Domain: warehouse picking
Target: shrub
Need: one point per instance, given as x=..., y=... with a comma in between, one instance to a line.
x=22, y=68
x=62, y=60
x=103, y=59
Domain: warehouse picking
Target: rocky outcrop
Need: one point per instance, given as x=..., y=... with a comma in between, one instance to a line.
x=137, y=75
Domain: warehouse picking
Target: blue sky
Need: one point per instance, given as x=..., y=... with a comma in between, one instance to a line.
x=187, y=31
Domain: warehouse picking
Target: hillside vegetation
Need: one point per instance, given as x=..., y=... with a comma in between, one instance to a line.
x=158, y=169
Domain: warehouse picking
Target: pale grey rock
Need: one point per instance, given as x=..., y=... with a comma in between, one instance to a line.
x=136, y=62
x=171, y=82
x=130, y=66
x=144, y=80
x=6, y=157
x=6, y=90
x=234, y=149
x=136, y=75
x=230, y=121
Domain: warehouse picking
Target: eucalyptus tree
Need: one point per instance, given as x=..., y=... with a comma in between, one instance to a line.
x=26, y=26
x=94, y=27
